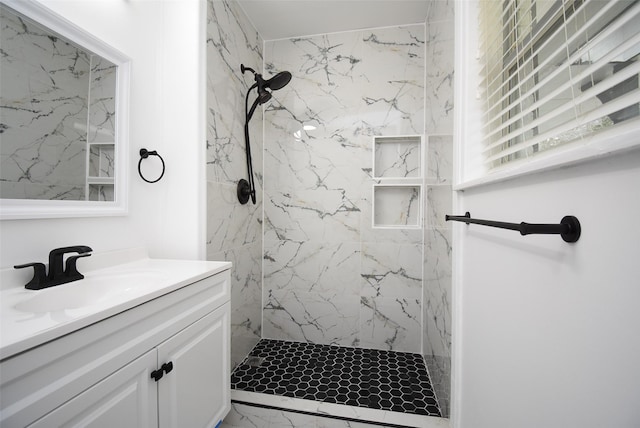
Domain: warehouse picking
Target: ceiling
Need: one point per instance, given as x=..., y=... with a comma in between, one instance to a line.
x=279, y=19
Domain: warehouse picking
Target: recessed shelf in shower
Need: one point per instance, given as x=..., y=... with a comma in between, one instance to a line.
x=101, y=171
x=397, y=157
x=397, y=187
x=397, y=206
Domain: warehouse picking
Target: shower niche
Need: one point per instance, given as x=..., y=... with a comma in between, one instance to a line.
x=101, y=171
x=397, y=176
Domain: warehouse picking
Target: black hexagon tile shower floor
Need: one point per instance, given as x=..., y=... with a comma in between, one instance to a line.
x=371, y=378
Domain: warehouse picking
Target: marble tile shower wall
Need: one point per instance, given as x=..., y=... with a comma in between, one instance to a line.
x=102, y=107
x=234, y=231
x=329, y=276
x=101, y=132
x=438, y=180
x=44, y=113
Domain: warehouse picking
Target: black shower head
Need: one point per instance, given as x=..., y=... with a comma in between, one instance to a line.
x=263, y=95
x=278, y=81
x=262, y=85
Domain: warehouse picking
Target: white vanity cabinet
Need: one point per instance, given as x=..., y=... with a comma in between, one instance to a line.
x=103, y=375
x=196, y=392
x=124, y=399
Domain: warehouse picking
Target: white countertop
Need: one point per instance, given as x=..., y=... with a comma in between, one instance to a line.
x=21, y=330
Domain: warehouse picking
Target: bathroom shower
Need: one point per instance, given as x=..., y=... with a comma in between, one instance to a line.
x=246, y=188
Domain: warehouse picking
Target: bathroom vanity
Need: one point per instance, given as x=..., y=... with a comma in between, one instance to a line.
x=148, y=347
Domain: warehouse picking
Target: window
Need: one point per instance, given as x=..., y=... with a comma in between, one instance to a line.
x=555, y=72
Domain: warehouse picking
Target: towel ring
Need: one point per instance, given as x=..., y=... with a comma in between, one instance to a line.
x=144, y=153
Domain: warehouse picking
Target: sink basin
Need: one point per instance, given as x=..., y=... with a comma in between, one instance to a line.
x=114, y=282
x=93, y=290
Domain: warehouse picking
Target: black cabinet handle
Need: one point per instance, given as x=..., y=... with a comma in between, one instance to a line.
x=167, y=367
x=157, y=374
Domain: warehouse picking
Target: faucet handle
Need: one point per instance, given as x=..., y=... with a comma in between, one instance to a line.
x=39, y=275
x=56, y=255
x=72, y=249
x=71, y=270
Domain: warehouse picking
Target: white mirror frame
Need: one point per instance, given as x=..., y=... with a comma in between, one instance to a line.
x=13, y=209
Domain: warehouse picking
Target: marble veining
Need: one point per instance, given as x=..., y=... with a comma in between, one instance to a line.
x=330, y=276
x=312, y=266
x=234, y=231
x=439, y=159
x=327, y=272
x=437, y=292
x=439, y=76
x=397, y=157
x=390, y=323
x=330, y=318
x=102, y=108
x=245, y=416
x=397, y=206
x=391, y=270
x=44, y=112
x=246, y=297
x=56, y=97
x=438, y=205
x=231, y=41
x=101, y=192
x=101, y=160
x=369, y=233
x=439, y=177
x=440, y=374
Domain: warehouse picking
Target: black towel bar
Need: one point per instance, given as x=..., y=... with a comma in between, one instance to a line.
x=568, y=229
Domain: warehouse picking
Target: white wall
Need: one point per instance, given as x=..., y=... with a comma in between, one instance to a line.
x=545, y=332
x=548, y=331
x=165, y=40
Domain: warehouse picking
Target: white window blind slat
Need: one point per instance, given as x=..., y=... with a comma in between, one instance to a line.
x=587, y=95
x=558, y=70
x=553, y=72
x=548, y=59
x=497, y=44
x=578, y=125
x=602, y=86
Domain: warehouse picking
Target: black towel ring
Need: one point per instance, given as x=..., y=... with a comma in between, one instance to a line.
x=144, y=153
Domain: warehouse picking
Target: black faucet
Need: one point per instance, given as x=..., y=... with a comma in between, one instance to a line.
x=58, y=274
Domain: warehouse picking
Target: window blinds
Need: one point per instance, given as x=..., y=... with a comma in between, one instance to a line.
x=555, y=72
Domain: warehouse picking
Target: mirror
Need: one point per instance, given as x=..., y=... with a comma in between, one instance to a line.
x=62, y=117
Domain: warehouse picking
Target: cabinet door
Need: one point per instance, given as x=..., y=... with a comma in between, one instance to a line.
x=196, y=392
x=127, y=398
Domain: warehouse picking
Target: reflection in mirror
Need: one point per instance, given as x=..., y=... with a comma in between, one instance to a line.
x=57, y=123
x=63, y=117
